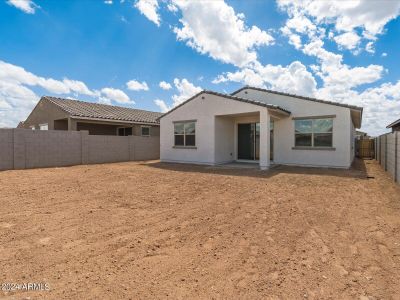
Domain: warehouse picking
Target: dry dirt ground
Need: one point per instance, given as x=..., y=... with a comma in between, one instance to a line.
x=152, y=230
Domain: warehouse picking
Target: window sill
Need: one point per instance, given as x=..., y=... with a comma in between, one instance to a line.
x=184, y=147
x=314, y=148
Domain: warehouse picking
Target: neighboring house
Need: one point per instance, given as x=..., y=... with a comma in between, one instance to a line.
x=395, y=126
x=99, y=119
x=258, y=125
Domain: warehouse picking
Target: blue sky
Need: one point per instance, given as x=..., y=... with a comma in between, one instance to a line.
x=117, y=52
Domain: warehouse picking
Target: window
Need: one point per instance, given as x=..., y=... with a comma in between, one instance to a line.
x=313, y=133
x=124, y=131
x=185, y=134
x=145, y=131
x=44, y=126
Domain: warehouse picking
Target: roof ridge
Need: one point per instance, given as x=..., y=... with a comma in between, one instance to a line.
x=100, y=104
x=229, y=97
x=298, y=96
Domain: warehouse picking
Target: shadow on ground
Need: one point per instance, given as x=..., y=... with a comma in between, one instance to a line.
x=358, y=170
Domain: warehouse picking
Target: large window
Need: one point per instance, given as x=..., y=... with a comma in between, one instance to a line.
x=313, y=133
x=185, y=134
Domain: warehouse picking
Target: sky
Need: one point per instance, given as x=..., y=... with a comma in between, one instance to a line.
x=155, y=54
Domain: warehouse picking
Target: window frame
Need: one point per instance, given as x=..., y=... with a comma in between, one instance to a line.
x=184, y=123
x=124, y=128
x=44, y=124
x=313, y=133
x=141, y=130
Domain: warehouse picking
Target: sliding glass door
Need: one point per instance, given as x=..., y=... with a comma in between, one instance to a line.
x=249, y=141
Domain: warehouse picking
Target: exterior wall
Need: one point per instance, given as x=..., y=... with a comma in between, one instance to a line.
x=352, y=142
x=340, y=157
x=224, y=139
x=44, y=112
x=205, y=109
x=396, y=128
x=25, y=148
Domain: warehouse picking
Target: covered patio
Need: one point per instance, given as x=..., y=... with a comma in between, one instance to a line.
x=245, y=139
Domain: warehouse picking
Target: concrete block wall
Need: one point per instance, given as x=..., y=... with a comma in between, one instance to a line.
x=146, y=148
x=25, y=148
x=6, y=149
x=389, y=154
x=104, y=149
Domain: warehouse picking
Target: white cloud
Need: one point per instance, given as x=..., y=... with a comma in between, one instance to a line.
x=371, y=16
x=115, y=95
x=370, y=47
x=368, y=17
x=18, y=75
x=185, y=90
x=348, y=40
x=165, y=85
x=27, y=6
x=162, y=105
x=213, y=28
x=333, y=72
x=109, y=2
x=294, y=78
x=137, y=86
x=17, y=99
x=384, y=54
x=149, y=8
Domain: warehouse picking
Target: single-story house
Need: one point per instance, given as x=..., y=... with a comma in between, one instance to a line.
x=53, y=113
x=262, y=126
x=395, y=125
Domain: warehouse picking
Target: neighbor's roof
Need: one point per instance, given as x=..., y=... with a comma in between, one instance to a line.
x=90, y=110
x=397, y=122
x=297, y=96
x=259, y=103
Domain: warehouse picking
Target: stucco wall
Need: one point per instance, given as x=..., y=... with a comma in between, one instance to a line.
x=284, y=131
x=25, y=148
x=203, y=109
x=44, y=112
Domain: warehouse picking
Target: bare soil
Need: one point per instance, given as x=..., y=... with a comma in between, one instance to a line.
x=152, y=230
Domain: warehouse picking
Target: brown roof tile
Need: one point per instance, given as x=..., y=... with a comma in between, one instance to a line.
x=83, y=109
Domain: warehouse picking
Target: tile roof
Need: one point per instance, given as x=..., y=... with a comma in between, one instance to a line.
x=90, y=110
x=297, y=96
x=270, y=106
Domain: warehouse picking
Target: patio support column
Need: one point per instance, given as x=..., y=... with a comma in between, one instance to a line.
x=264, y=139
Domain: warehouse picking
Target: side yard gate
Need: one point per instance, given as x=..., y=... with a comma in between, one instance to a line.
x=387, y=153
x=27, y=149
x=365, y=148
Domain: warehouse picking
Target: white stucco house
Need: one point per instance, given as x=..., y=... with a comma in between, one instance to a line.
x=261, y=126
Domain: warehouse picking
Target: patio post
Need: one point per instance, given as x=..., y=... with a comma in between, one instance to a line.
x=264, y=139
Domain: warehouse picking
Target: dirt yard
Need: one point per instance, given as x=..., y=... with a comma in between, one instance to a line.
x=152, y=230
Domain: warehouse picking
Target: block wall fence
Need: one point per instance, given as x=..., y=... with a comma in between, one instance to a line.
x=28, y=149
x=387, y=153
